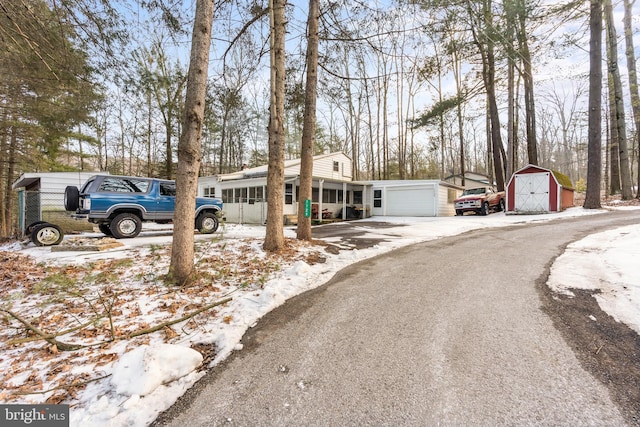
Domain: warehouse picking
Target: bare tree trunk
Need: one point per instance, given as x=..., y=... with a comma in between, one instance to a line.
x=527, y=74
x=618, y=112
x=274, y=239
x=182, y=251
x=633, y=79
x=308, y=130
x=5, y=184
x=594, y=162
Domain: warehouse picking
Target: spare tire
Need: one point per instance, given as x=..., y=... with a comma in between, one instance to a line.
x=71, y=198
x=46, y=234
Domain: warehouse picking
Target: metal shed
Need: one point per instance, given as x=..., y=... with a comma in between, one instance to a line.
x=41, y=196
x=534, y=189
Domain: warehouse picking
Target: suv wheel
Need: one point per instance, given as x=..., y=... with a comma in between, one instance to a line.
x=46, y=234
x=71, y=198
x=125, y=226
x=104, y=229
x=207, y=223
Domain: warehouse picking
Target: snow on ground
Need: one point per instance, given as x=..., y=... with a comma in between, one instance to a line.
x=607, y=262
x=130, y=382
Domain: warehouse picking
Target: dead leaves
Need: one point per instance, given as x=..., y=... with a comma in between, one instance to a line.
x=99, y=302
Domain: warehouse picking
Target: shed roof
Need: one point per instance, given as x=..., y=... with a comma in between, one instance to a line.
x=561, y=178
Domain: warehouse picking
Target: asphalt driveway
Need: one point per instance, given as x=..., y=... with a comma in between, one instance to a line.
x=455, y=331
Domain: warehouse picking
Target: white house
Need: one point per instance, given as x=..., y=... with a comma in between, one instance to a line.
x=334, y=194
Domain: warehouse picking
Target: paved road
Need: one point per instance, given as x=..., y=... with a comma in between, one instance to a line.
x=448, y=332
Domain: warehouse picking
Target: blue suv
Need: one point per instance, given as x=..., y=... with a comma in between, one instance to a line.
x=119, y=204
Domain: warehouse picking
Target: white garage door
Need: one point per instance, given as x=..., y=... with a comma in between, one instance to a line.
x=411, y=201
x=532, y=192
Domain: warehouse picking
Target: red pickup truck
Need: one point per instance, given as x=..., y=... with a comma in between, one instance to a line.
x=481, y=200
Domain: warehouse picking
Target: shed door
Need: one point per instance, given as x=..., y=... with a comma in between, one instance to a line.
x=532, y=192
x=412, y=201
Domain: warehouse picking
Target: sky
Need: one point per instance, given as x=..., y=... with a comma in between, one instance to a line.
x=144, y=378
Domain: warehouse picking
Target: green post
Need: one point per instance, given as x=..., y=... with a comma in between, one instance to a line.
x=307, y=208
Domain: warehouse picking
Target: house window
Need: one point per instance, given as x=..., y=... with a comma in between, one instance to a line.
x=377, y=198
x=315, y=195
x=288, y=194
x=209, y=192
x=340, y=196
x=336, y=166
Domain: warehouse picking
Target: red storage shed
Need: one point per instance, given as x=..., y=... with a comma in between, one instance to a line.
x=534, y=189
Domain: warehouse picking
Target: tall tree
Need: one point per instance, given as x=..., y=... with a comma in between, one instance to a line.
x=274, y=239
x=617, y=112
x=484, y=36
x=527, y=77
x=189, y=154
x=594, y=162
x=303, y=231
x=633, y=78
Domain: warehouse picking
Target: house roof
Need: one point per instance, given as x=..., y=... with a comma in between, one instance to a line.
x=291, y=168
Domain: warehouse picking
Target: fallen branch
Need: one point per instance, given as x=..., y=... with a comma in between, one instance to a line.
x=62, y=346
x=182, y=319
x=61, y=387
x=61, y=333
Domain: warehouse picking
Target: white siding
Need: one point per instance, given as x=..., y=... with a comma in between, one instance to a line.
x=445, y=202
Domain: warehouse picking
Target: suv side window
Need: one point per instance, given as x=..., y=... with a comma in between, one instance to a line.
x=120, y=185
x=167, y=189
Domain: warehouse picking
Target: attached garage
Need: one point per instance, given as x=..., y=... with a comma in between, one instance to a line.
x=534, y=189
x=413, y=198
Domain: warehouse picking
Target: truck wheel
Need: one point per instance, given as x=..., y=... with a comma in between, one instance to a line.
x=71, y=198
x=485, y=209
x=46, y=234
x=459, y=212
x=125, y=226
x=501, y=205
x=104, y=229
x=207, y=223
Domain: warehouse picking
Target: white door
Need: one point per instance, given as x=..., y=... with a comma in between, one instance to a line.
x=410, y=201
x=532, y=192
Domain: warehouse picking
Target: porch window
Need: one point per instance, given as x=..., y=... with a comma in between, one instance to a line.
x=315, y=195
x=255, y=194
x=227, y=195
x=340, y=196
x=240, y=195
x=357, y=197
x=328, y=195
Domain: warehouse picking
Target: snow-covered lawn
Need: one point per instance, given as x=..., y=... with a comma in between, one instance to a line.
x=107, y=303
